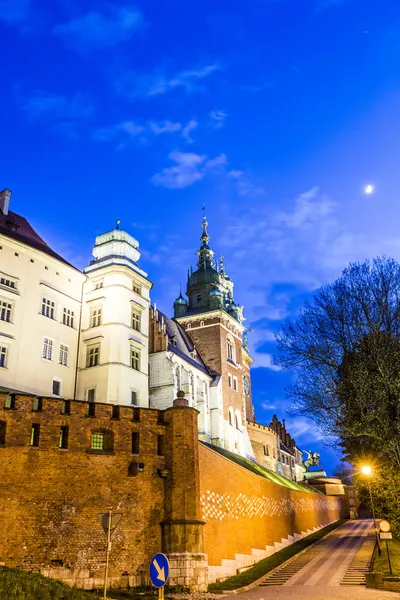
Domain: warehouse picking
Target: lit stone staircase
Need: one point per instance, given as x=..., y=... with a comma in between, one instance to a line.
x=280, y=575
x=361, y=564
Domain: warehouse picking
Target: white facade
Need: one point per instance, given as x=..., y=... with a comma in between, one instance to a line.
x=170, y=373
x=40, y=304
x=51, y=314
x=113, y=353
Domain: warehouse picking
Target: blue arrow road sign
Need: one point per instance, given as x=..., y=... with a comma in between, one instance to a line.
x=159, y=570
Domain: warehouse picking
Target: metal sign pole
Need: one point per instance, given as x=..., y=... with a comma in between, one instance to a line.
x=108, y=555
x=388, y=555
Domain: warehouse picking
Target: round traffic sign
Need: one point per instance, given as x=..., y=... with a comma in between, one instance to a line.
x=159, y=570
x=385, y=526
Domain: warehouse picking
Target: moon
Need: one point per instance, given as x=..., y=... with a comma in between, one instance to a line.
x=368, y=189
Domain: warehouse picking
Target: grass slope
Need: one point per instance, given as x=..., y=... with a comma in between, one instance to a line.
x=259, y=470
x=268, y=564
x=381, y=564
x=23, y=585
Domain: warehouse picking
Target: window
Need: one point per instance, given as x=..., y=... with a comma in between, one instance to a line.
x=66, y=407
x=201, y=323
x=231, y=416
x=3, y=356
x=98, y=284
x=5, y=311
x=266, y=450
x=229, y=380
x=115, y=412
x=235, y=383
x=136, y=414
x=160, y=445
x=133, y=398
x=135, y=359
x=92, y=356
x=63, y=359
x=10, y=401
x=230, y=349
x=135, y=320
x=47, y=351
x=97, y=441
x=91, y=395
x=238, y=420
x=136, y=288
x=37, y=404
x=102, y=440
x=96, y=317
x=68, y=317
x=56, y=388
x=48, y=308
x=3, y=427
x=35, y=434
x=198, y=297
x=8, y=282
x=135, y=442
x=63, y=443
x=91, y=409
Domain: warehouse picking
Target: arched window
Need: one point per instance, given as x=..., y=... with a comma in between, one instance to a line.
x=230, y=349
x=201, y=323
x=231, y=416
x=238, y=420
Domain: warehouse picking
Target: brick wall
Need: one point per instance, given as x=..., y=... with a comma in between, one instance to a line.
x=252, y=517
x=50, y=498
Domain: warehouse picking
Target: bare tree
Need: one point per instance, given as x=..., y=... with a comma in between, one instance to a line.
x=344, y=349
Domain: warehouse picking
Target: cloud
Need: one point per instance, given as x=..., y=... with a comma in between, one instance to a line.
x=166, y=127
x=134, y=86
x=102, y=29
x=42, y=104
x=264, y=359
x=189, y=168
x=244, y=187
x=144, y=130
x=218, y=117
x=187, y=129
x=14, y=11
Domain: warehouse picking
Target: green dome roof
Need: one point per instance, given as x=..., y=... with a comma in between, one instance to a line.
x=180, y=301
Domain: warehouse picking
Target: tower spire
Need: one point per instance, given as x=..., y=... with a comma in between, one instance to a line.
x=205, y=253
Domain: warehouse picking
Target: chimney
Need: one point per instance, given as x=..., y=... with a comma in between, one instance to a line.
x=5, y=196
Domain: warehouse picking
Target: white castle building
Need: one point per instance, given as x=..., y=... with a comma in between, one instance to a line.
x=93, y=336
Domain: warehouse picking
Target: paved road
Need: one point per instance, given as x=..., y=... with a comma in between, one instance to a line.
x=321, y=572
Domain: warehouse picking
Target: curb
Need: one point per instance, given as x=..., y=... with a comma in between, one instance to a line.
x=260, y=580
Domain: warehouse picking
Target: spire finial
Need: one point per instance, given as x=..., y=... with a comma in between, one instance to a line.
x=221, y=264
x=118, y=223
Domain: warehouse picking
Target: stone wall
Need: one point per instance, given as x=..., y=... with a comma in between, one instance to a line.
x=252, y=517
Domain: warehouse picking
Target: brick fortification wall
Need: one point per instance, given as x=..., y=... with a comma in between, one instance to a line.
x=50, y=498
x=250, y=517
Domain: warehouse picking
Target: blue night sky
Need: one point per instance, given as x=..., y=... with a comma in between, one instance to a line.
x=275, y=114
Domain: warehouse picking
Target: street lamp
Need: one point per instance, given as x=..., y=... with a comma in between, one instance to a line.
x=366, y=470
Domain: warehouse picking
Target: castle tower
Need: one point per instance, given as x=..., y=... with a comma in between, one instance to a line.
x=214, y=322
x=113, y=354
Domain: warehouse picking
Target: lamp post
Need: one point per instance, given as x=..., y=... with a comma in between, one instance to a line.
x=366, y=470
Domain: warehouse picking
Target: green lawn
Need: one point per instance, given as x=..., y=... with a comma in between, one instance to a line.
x=267, y=564
x=22, y=585
x=381, y=562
